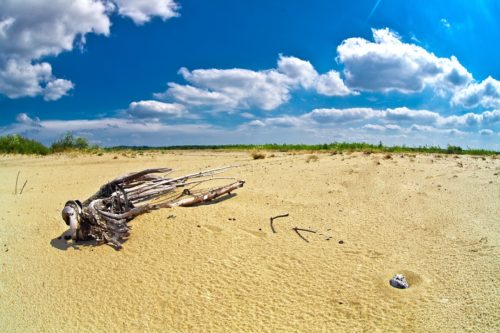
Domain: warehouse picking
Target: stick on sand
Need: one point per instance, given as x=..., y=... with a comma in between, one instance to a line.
x=275, y=217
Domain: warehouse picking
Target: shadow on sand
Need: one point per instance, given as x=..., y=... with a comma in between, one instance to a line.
x=64, y=242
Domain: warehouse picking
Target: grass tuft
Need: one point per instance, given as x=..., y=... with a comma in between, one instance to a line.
x=312, y=158
x=257, y=155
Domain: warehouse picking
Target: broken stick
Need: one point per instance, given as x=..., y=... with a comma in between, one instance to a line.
x=300, y=235
x=22, y=188
x=275, y=217
x=17, y=178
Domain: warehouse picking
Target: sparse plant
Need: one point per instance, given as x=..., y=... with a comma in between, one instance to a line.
x=257, y=155
x=312, y=158
x=70, y=142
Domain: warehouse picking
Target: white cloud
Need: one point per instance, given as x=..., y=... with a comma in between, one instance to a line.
x=33, y=29
x=237, y=88
x=359, y=114
x=115, y=131
x=404, y=114
x=383, y=128
x=375, y=127
x=298, y=71
x=389, y=121
x=23, y=118
x=330, y=84
x=485, y=94
x=388, y=64
x=141, y=11
x=281, y=129
x=341, y=115
x=194, y=96
x=231, y=88
x=256, y=123
x=486, y=131
x=445, y=23
x=57, y=88
x=155, y=109
x=486, y=118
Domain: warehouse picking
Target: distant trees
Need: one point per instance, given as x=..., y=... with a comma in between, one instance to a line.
x=17, y=144
x=69, y=142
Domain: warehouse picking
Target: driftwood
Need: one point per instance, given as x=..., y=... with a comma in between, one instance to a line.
x=104, y=216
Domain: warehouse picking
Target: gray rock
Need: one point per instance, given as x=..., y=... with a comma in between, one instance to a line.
x=399, y=281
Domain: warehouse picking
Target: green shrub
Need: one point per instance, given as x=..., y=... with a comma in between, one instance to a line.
x=70, y=142
x=16, y=144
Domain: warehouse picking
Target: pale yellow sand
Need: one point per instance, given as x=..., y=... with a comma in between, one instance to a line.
x=424, y=216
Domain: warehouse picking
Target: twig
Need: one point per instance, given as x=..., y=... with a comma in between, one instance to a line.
x=23, y=187
x=275, y=217
x=300, y=229
x=17, y=178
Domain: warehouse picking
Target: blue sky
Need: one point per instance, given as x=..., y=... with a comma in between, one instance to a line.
x=159, y=72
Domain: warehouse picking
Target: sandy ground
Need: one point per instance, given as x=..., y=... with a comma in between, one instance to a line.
x=220, y=268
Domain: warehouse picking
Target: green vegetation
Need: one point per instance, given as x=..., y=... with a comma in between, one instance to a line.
x=69, y=142
x=16, y=144
x=327, y=147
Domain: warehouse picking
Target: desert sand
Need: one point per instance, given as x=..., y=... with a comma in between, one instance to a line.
x=220, y=268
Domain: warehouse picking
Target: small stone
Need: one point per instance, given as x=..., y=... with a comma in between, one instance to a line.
x=399, y=281
x=341, y=242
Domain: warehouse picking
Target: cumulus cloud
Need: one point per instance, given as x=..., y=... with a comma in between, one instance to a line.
x=341, y=115
x=330, y=84
x=228, y=89
x=33, y=29
x=298, y=71
x=156, y=109
x=397, y=120
x=401, y=115
x=486, y=131
x=238, y=88
x=486, y=118
x=23, y=118
x=388, y=64
x=114, y=131
x=141, y=11
x=485, y=94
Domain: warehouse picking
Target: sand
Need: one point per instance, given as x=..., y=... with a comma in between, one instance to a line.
x=220, y=268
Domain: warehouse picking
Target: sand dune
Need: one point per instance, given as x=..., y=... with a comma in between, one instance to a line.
x=220, y=268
